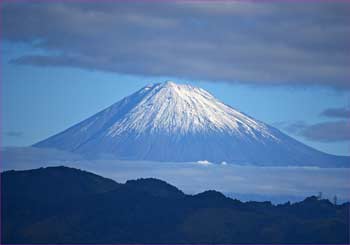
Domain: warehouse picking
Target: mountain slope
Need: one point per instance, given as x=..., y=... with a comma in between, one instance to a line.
x=171, y=122
x=150, y=211
x=64, y=183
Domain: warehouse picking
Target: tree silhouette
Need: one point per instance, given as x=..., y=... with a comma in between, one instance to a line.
x=335, y=200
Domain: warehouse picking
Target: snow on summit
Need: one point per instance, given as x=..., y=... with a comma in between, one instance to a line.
x=182, y=123
x=181, y=109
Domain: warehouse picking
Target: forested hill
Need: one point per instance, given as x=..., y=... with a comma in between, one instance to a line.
x=66, y=205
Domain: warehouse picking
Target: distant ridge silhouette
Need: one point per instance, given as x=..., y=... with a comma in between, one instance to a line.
x=66, y=205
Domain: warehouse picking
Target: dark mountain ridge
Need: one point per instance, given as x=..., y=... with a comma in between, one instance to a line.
x=66, y=205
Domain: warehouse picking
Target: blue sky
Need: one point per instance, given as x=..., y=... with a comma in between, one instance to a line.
x=63, y=62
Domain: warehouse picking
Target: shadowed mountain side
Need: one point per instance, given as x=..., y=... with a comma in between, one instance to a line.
x=65, y=205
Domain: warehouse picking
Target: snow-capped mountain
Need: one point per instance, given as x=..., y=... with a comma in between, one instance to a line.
x=173, y=122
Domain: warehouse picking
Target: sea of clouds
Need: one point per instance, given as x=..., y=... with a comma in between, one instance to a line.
x=276, y=184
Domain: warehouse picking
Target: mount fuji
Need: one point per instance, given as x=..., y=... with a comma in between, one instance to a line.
x=181, y=123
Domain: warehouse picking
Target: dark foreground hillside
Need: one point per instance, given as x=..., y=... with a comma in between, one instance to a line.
x=65, y=205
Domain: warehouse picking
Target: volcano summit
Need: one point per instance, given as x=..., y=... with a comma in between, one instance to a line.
x=181, y=123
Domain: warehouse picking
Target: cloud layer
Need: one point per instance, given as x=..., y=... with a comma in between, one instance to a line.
x=342, y=112
x=237, y=41
x=330, y=131
x=16, y=134
x=248, y=182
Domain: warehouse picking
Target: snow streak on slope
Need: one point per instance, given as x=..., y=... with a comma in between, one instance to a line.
x=183, y=109
x=181, y=123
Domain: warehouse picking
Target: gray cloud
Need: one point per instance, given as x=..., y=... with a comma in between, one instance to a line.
x=343, y=112
x=323, y=132
x=15, y=134
x=252, y=42
x=293, y=128
x=328, y=131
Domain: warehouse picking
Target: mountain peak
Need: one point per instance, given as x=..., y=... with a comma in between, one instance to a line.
x=169, y=83
x=179, y=122
x=173, y=109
